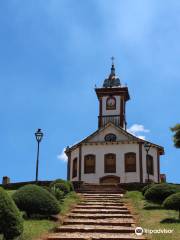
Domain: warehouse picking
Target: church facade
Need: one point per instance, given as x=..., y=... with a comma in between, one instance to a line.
x=111, y=154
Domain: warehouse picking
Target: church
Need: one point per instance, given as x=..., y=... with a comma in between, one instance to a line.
x=111, y=154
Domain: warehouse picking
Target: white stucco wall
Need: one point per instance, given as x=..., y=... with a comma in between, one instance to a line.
x=118, y=149
x=111, y=112
x=97, y=146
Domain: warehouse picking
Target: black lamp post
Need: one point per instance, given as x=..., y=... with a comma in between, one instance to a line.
x=39, y=136
x=147, y=147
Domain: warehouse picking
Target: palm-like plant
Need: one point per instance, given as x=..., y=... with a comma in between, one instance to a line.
x=176, y=136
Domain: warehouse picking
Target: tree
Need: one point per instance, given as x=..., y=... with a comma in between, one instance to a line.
x=176, y=137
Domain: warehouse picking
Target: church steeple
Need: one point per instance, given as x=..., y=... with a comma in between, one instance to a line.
x=112, y=100
x=112, y=80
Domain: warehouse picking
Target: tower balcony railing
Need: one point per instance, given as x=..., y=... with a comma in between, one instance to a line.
x=103, y=120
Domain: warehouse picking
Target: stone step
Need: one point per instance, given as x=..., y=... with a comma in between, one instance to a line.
x=102, y=203
x=94, y=236
x=100, y=207
x=102, y=190
x=105, y=192
x=99, y=196
x=102, y=200
x=99, y=215
x=104, y=222
x=102, y=194
x=93, y=228
x=100, y=186
x=109, y=211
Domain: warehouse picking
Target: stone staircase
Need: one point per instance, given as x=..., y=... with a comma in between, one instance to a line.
x=100, y=188
x=98, y=216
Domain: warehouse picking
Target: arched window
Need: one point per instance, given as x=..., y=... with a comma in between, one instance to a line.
x=74, y=173
x=150, y=165
x=110, y=163
x=110, y=103
x=130, y=162
x=110, y=137
x=89, y=163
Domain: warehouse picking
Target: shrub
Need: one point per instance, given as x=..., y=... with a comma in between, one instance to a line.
x=59, y=180
x=158, y=192
x=11, y=222
x=71, y=187
x=61, y=185
x=146, y=188
x=47, y=188
x=36, y=200
x=59, y=195
x=173, y=202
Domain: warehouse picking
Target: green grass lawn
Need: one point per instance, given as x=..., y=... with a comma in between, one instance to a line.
x=34, y=228
x=151, y=219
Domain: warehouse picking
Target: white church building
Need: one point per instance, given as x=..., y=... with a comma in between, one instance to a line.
x=111, y=154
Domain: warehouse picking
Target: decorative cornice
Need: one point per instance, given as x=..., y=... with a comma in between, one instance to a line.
x=122, y=91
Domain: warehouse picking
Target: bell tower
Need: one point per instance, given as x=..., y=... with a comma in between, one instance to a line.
x=112, y=98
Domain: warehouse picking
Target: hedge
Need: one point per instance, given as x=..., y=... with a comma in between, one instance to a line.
x=17, y=185
x=61, y=185
x=59, y=195
x=159, y=192
x=146, y=188
x=71, y=187
x=36, y=200
x=11, y=222
x=173, y=202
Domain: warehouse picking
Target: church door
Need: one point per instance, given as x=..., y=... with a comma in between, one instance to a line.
x=110, y=179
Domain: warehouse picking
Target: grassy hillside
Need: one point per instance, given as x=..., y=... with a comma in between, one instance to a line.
x=34, y=228
x=153, y=218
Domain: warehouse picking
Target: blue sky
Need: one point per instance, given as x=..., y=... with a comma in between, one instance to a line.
x=53, y=52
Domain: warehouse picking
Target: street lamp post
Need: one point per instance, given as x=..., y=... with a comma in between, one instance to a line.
x=147, y=147
x=39, y=136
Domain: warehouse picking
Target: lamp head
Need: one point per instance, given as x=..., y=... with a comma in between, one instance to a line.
x=147, y=146
x=39, y=135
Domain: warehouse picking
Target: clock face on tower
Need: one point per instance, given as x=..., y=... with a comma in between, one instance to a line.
x=111, y=103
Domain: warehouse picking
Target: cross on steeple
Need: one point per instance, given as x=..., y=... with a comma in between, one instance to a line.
x=112, y=68
x=112, y=58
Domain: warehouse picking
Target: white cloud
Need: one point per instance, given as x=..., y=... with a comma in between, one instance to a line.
x=62, y=156
x=138, y=128
x=135, y=128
